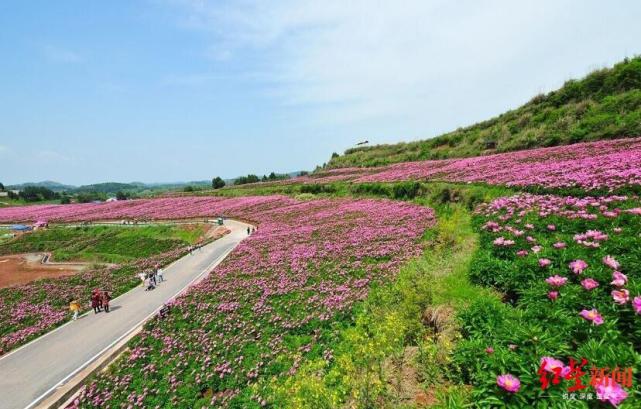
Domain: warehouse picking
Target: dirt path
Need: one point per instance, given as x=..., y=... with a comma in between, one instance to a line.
x=20, y=269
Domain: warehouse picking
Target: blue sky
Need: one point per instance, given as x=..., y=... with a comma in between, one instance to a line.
x=173, y=90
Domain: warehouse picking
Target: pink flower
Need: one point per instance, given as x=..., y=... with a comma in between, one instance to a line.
x=556, y=280
x=551, y=227
x=592, y=315
x=610, y=391
x=489, y=350
x=559, y=245
x=611, y=262
x=553, y=295
x=621, y=296
x=501, y=241
x=508, y=382
x=537, y=249
x=530, y=239
x=619, y=279
x=521, y=253
x=550, y=364
x=589, y=284
x=636, y=304
x=529, y=226
x=617, y=230
x=544, y=262
x=577, y=266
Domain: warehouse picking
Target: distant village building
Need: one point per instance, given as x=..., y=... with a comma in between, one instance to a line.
x=4, y=194
x=111, y=199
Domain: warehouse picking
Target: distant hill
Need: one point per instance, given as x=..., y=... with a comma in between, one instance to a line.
x=606, y=104
x=55, y=186
x=110, y=188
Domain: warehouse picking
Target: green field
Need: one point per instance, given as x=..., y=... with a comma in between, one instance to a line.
x=107, y=244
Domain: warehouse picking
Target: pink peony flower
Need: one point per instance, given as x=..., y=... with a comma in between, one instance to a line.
x=509, y=383
x=489, y=350
x=619, y=279
x=553, y=295
x=592, y=315
x=551, y=364
x=617, y=230
x=636, y=304
x=544, y=262
x=536, y=249
x=577, y=266
x=621, y=296
x=610, y=391
x=529, y=226
x=530, y=239
x=551, y=227
x=521, y=253
x=556, y=281
x=589, y=284
x=559, y=245
x=611, y=262
x=501, y=241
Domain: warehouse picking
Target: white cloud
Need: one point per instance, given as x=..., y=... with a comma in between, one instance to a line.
x=434, y=64
x=61, y=55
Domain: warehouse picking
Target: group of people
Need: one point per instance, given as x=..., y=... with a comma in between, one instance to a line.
x=250, y=230
x=151, y=279
x=99, y=301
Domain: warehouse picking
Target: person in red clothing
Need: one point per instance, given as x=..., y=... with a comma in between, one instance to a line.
x=106, y=297
x=96, y=301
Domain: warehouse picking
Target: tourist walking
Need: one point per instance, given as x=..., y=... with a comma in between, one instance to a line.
x=152, y=275
x=96, y=301
x=160, y=273
x=141, y=275
x=248, y=231
x=149, y=283
x=106, y=297
x=74, y=307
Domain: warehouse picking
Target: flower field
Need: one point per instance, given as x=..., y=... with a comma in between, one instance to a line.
x=603, y=165
x=570, y=272
x=144, y=209
x=277, y=300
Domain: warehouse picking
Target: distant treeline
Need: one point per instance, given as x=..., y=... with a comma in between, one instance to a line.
x=243, y=180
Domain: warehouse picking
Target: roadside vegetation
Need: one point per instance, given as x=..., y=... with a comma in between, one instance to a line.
x=605, y=104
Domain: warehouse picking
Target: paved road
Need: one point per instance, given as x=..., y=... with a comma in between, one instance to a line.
x=30, y=373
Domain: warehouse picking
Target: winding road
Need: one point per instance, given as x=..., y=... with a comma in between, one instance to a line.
x=39, y=369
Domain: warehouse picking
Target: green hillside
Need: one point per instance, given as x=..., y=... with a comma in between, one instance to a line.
x=605, y=104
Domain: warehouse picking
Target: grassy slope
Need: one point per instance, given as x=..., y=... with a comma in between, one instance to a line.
x=605, y=104
x=113, y=244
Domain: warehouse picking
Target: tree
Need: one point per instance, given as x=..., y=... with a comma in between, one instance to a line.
x=217, y=182
x=188, y=188
x=65, y=199
x=335, y=155
x=1, y=187
x=37, y=193
x=243, y=180
x=120, y=195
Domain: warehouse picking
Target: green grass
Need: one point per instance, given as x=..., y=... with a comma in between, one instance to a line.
x=605, y=104
x=110, y=244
